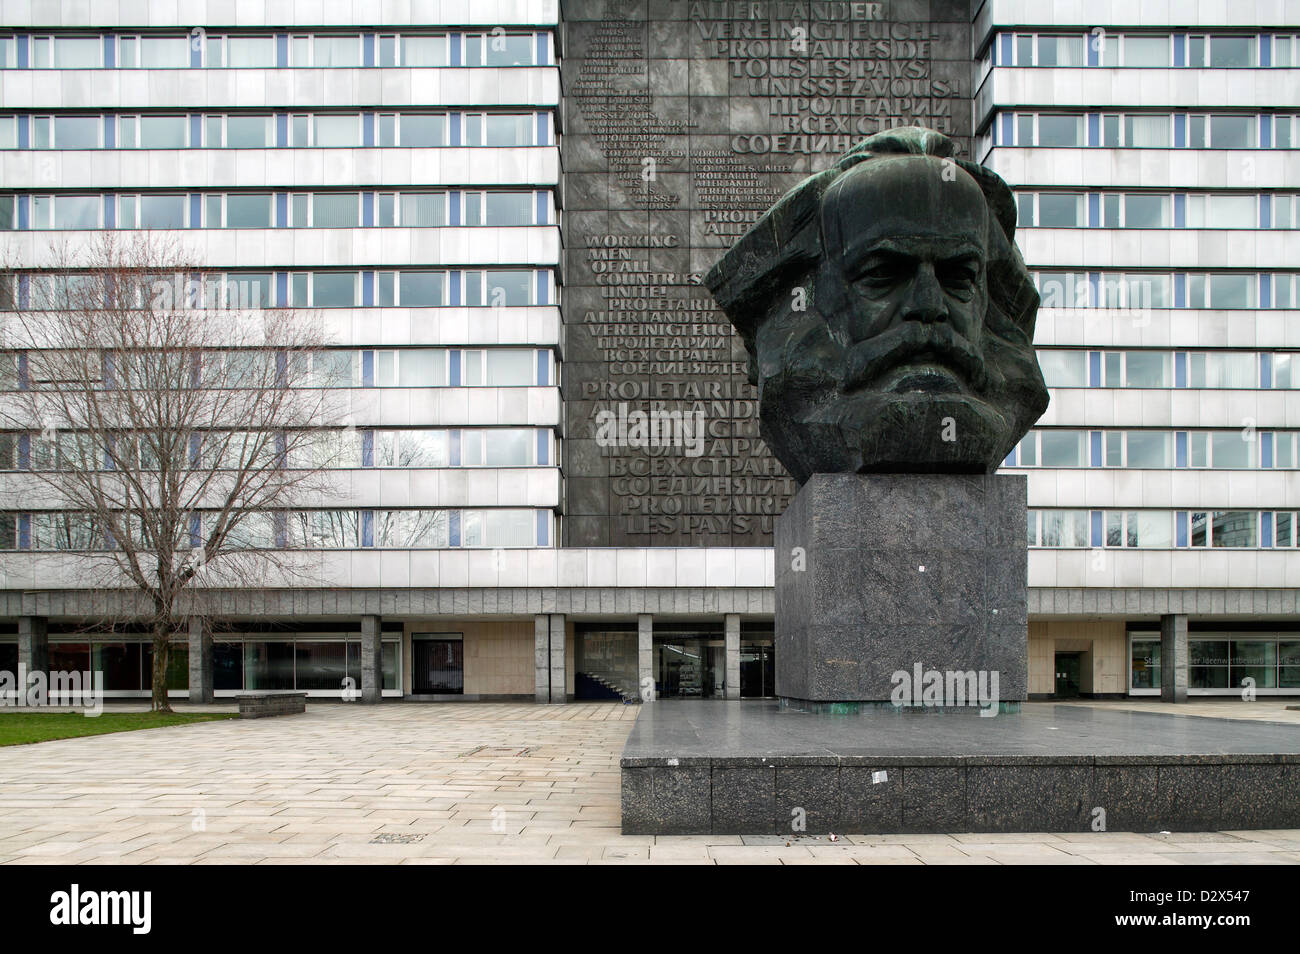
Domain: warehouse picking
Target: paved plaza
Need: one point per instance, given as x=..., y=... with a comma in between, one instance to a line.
x=440, y=784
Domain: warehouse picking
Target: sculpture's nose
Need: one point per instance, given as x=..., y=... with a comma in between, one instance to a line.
x=925, y=301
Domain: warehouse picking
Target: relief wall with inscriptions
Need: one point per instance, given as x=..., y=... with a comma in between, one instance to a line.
x=682, y=123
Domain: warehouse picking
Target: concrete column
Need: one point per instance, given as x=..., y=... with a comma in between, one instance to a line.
x=1173, y=658
x=33, y=645
x=201, y=684
x=559, y=660
x=732, y=627
x=542, y=658
x=645, y=656
x=372, y=659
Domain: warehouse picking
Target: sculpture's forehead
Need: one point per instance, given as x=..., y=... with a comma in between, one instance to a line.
x=905, y=195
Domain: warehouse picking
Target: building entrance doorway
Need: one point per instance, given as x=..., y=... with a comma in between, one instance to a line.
x=437, y=665
x=690, y=667
x=1068, y=669
x=757, y=668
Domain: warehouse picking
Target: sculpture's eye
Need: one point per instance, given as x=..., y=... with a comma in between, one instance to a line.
x=958, y=277
x=883, y=273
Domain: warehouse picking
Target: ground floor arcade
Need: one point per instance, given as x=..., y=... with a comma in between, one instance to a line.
x=552, y=657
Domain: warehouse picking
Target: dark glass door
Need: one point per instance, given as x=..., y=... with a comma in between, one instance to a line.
x=438, y=667
x=1067, y=675
x=757, y=669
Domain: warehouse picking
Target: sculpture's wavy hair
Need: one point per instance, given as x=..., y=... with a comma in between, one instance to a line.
x=783, y=249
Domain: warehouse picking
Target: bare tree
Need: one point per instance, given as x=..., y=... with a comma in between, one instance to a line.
x=172, y=420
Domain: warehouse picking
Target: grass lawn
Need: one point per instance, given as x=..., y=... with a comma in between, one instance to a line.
x=19, y=728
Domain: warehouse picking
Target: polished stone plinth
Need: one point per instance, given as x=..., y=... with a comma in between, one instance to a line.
x=878, y=574
x=701, y=767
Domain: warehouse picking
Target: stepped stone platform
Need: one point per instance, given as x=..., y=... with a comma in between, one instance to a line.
x=712, y=767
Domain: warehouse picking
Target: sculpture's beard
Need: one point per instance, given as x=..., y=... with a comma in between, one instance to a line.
x=918, y=398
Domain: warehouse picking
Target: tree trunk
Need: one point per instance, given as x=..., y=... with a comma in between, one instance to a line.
x=162, y=650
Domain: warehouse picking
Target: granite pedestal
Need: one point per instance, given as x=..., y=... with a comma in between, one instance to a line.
x=879, y=574
x=712, y=767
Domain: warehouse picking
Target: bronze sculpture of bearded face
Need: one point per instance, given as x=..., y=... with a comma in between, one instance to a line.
x=888, y=315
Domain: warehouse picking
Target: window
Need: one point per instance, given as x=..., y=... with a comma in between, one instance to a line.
x=411, y=528
x=242, y=290
x=421, y=289
x=162, y=212
x=8, y=132
x=499, y=288
x=1060, y=528
x=411, y=448
x=247, y=211
x=1146, y=211
x=154, y=132
x=247, y=132
x=1227, y=52
x=1148, y=369
x=334, y=210
x=411, y=368
x=7, y=217
x=1222, y=370
x=1221, y=291
x=1232, y=132
x=1060, y=51
x=1282, y=52
x=1284, y=215
x=1151, y=529
x=66, y=211
x=1232, y=450
x=1060, y=210
x=1147, y=132
x=499, y=50
x=1063, y=289
x=66, y=132
x=422, y=130
x=331, y=369
x=1284, y=291
x=1146, y=51
x=499, y=528
x=156, y=52
x=8, y=53
x=419, y=209
x=1234, y=528
x=67, y=52
x=504, y=208
x=1286, y=371
x=498, y=130
x=508, y=447
x=1144, y=663
x=248, y=51
x=1222, y=211
x=1064, y=369
x=342, y=51
x=413, y=51
x=253, y=531
x=334, y=289
x=1060, y=130
x=1063, y=448
x=1150, y=450
x=1134, y=291
x=328, y=131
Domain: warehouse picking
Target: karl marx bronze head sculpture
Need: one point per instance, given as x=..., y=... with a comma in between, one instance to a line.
x=888, y=316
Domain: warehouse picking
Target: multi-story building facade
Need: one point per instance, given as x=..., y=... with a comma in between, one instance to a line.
x=398, y=169
x=1153, y=154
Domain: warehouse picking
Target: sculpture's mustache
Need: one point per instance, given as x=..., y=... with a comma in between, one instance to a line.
x=867, y=360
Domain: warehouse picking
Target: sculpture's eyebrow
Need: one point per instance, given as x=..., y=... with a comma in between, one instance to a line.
x=910, y=249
